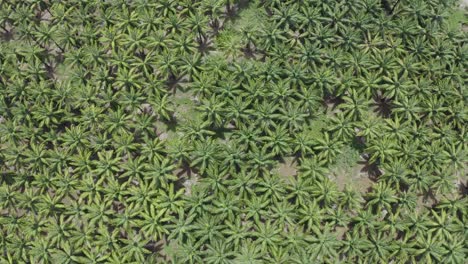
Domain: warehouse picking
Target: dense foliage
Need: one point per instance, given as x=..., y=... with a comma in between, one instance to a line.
x=158, y=132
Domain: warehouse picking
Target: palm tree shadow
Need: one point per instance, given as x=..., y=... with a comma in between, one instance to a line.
x=206, y=46
x=232, y=13
x=332, y=103
x=430, y=197
x=174, y=83
x=372, y=170
x=382, y=106
x=172, y=124
x=7, y=177
x=6, y=36
x=155, y=246
x=463, y=188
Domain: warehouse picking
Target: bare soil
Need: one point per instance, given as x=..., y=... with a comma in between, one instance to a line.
x=287, y=168
x=356, y=177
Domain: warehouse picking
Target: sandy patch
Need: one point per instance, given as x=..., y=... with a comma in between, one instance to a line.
x=287, y=168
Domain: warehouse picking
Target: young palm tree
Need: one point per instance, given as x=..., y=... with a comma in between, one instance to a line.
x=204, y=154
x=227, y=206
x=342, y=128
x=354, y=106
x=314, y=168
x=354, y=245
x=325, y=245
x=429, y=248
x=213, y=111
x=250, y=252
x=326, y=193
x=219, y=252
x=267, y=235
x=277, y=140
x=327, y=148
x=382, y=197
x=243, y=183
x=152, y=225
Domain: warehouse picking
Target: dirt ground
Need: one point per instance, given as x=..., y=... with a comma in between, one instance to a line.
x=356, y=177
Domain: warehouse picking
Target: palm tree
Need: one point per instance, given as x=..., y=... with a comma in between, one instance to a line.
x=197, y=23
x=453, y=206
x=277, y=140
x=397, y=86
x=152, y=223
x=302, y=143
x=280, y=255
x=191, y=65
x=74, y=137
x=179, y=150
x=454, y=251
x=197, y=129
x=350, y=199
x=429, y=248
x=219, y=252
x=236, y=232
x=250, y=252
x=36, y=156
x=233, y=157
x=270, y=36
x=395, y=173
x=135, y=248
x=313, y=167
x=261, y=159
x=298, y=74
x=417, y=224
x=271, y=187
x=299, y=189
x=204, y=154
x=380, y=245
x=355, y=106
x=370, y=83
x=145, y=63
x=454, y=155
x=382, y=197
x=364, y=222
x=133, y=169
x=212, y=110
x=408, y=107
x=328, y=149
x=227, y=206
x=207, y=230
x=163, y=106
x=342, y=128
x=181, y=229
x=267, y=235
x=243, y=183
x=41, y=250
x=309, y=98
x=325, y=192
x=283, y=214
x=381, y=150
x=107, y=163
x=167, y=65
x=98, y=213
x=323, y=78
x=441, y=226
x=216, y=180
x=238, y=110
x=141, y=196
x=354, y=245
x=66, y=254
x=324, y=246
x=203, y=84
